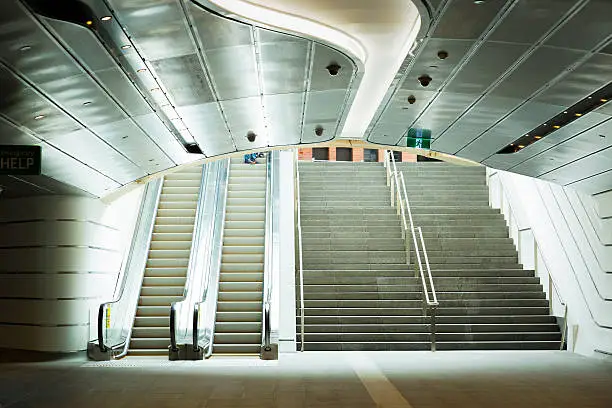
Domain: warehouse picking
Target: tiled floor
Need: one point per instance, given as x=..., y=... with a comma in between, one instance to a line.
x=344, y=379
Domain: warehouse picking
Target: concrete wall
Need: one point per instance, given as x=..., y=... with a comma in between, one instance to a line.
x=59, y=257
x=564, y=235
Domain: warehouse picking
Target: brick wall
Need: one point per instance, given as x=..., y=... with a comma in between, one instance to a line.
x=358, y=155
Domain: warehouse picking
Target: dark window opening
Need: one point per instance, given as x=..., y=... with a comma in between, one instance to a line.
x=320, y=153
x=370, y=155
x=397, y=156
x=344, y=154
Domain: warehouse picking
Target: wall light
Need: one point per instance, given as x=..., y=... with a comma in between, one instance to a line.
x=39, y=117
x=106, y=18
x=125, y=47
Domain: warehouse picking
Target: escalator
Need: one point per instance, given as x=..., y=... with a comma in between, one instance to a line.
x=238, y=327
x=166, y=268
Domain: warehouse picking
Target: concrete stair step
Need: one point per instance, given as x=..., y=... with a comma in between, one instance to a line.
x=158, y=300
x=442, y=311
x=237, y=338
x=382, y=303
x=239, y=316
x=152, y=321
x=440, y=320
x=240, y=349
x=156, y=343
x=443, y=297
x=499, y=345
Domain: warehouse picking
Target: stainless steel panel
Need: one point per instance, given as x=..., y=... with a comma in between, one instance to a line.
x=158, y=132
x=466, y=20
x=68, y=170
x=446, y=108
x=490, y=61
x=541, y=67
x=123, y=91
x=582, y=168
x=208, y=128
x=590, y=76
x=595, y=184
x=429, y=63
x=246, y=115
x=13, y=187
x=284, y=66
x=217, y=32
x=97, y=154
x=9, y=134
x=136, y=146
x=234, y=72
x=529, y=20
x=322, y=108
x=184, y=79
x=388, y=134
x=158, y=27
x=586, y=29
x=84, y=99
x=284, y=116
x=320, y=79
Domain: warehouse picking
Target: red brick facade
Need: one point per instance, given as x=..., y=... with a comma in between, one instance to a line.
x=358, y=154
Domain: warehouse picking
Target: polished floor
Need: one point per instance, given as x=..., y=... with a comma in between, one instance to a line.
x=325, y=379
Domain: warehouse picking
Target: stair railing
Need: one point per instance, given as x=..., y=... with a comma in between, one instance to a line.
x=399, y=199
x=298, y=247
x=114, y=332
x=271, y=255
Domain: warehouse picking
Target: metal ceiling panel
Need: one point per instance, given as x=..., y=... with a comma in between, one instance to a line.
x=534, y=18
x=490, y=61
x=595, y=184
x=284, y=65
x=218, y=32
x=443, y=112
x=68, y=170
x=429, y=63
x=467, y=20
x=388, y=133
x=192, y=89
x=161, y=135
x=97, y=154
x=322, y=108
x=509, y=129
x=208, y=128
x=284, y=116
x=320, y=79
x=45, y=183
x=595, y=73
x=13, y=187
x=9, y=134
x=128, y=139
x=246, y=115
x=567, y=132
x=484, y=114
x=539, y=68
x=123, y=90
x=582, y=168
x=83, y=44
x=586, y=29
x=234, y=72
x=157, y=26
x=84, y=99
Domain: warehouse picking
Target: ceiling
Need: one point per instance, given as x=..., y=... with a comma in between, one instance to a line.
x=114, y=100
x=123, y=98
x=512, y=65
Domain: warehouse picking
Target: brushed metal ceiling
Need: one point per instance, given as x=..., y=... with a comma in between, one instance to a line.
x=512, y=65
x=118, y=98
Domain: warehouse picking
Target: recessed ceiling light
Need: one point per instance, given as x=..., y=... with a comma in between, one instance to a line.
x=557, y=127
x=521, y=146
x=590, y=97
x=141, y=70
x=89, y=22
x=25, y=48
x=538, y=137
x=578, y=114
x=479, y=1
x=126, y=46
x=106, y=18
x=603, y=100
x=39, y=117
x=565, y=112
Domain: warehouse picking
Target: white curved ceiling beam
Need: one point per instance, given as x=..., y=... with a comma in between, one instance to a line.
x=384, y=30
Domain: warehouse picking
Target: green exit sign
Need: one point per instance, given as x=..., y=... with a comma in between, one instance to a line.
x=419, y=138
x=20, y=160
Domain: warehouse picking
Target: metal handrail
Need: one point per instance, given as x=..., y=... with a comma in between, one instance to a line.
x=149, y=197
x=268, y=253
x=196, y=236
x=300, y=263
x=399, y=196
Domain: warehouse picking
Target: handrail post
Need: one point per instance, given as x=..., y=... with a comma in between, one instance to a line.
x=433, y=327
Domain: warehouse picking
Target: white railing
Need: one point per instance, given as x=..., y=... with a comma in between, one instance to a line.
x=399, y=200
x=298, y=223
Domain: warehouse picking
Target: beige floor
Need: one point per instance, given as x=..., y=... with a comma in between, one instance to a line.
x=356, y=380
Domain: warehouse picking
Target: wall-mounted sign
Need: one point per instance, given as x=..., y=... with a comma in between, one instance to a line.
x=20, y=160
x=419, y=138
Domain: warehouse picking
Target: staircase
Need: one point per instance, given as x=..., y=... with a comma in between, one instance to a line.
x=361, y=295
x=239, y=306
x=166, y=268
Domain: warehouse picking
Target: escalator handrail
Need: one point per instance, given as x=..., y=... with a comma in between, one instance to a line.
x=268, y=251
x=127, y=262
x=196, y=236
